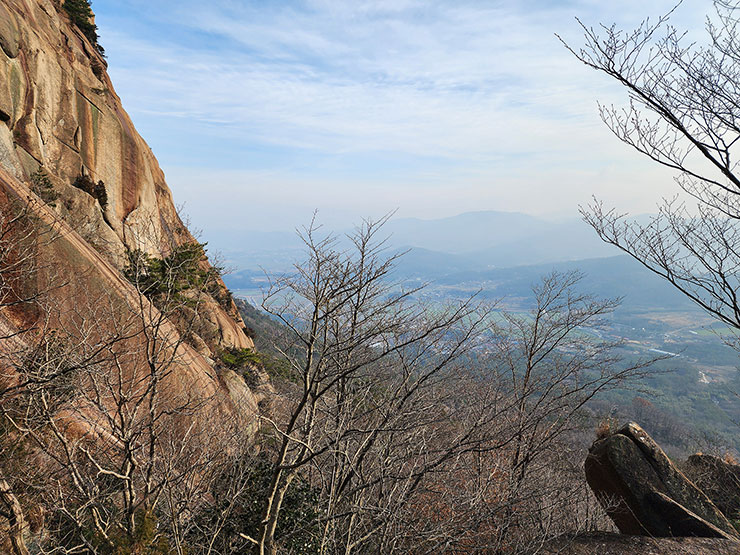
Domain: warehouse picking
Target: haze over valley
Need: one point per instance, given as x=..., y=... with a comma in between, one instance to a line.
x=500, y=256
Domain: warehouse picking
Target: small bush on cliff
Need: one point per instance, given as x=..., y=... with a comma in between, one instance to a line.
x=164, y=280
x=234, y=357
x=95, y=190
x=42, y=186
x=186, y=268
x=81, y=14
x=243, y=359
x=222, y=295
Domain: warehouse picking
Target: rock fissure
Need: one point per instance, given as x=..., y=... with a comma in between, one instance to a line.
x=90, y=101
x=69, y=146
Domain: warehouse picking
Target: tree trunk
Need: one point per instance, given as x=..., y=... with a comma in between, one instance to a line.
x=16, y=520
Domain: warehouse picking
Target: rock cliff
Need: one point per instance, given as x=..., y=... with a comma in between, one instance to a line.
x=60, y=112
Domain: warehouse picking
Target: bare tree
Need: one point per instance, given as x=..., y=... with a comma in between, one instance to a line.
x=519, y=483
x=363, y=406
x=21, y=295
x=424, y=427
x=116, y=450
x=684, y=114
x=392, y=407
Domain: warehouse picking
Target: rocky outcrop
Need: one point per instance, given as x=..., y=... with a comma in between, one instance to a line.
x=79, y=280
x=644, y=493
x=719, y=479
x=64, y=247
x=59, y=112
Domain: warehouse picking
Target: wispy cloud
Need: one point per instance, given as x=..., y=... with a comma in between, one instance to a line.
x=477, y=97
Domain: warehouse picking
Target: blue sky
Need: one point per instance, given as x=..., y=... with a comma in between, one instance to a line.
x=261, y=112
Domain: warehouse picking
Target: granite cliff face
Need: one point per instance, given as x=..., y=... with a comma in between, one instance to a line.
x=59, y=112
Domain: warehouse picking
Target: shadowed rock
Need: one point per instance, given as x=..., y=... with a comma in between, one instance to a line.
x=8, y=33
x=719, y=479
x=644, y=493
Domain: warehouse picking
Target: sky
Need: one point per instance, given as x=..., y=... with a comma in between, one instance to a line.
x=261, y=112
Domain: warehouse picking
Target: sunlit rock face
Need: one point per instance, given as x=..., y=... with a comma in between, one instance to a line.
x=644, y=493
x=59, y=112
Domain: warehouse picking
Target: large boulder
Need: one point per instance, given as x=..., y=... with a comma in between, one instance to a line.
x=644, y=493
x=719, y=479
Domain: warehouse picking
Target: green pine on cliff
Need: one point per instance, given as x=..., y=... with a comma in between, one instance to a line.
x=81, y=14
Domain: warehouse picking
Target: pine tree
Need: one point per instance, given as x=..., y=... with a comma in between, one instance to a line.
x=81, y=15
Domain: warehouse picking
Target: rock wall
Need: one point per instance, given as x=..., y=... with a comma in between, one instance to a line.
x=60, y=112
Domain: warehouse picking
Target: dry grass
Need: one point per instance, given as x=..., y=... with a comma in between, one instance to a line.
x=606, y=427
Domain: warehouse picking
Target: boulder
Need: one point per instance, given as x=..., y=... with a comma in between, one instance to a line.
x=644, y=493
x=719, y=479
x=608, y=543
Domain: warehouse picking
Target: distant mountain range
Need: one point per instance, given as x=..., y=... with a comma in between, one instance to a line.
x=469, y=241
x=503, y=253
x=616, y=276
x=470, y=232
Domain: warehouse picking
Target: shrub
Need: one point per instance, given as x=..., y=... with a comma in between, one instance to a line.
x=145, y=539
x=606, y=427
x=234, y=357
x=164, y=280
x=42, y=186
x=298, y=529
x=81, y=14
x=221, y=293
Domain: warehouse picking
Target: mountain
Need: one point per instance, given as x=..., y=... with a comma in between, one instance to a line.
x=468, y=241
x=555, y=242
x=466, y=233
x=616, y=276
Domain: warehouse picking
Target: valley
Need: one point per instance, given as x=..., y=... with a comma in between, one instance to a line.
x=696, y=381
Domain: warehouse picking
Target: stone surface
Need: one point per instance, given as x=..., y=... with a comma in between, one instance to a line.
x=604, y=543
x=645, y=493
x=9, y=36
x=719, y=479
x=89, y=293
x=58, y=110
